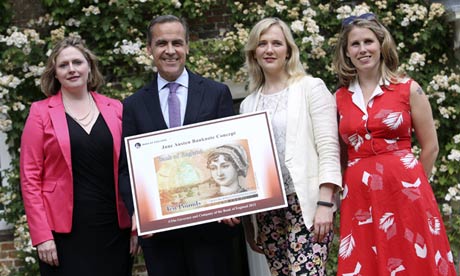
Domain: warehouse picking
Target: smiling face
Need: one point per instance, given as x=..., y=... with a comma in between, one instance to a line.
x=364, y=50
x=169, y=49
x=223, y=171
x=72, y=69
x=272, y=51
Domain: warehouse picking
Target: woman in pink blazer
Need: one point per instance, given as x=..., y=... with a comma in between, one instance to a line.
x=69, y=170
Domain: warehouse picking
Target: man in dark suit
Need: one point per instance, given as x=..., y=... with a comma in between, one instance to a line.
x=206, y=249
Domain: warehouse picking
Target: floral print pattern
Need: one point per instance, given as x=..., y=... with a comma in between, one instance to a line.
x=288, y=245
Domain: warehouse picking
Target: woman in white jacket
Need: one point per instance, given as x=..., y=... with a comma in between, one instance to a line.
x=295, y=239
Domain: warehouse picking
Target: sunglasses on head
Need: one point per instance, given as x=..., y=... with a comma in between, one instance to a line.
x=366, y=16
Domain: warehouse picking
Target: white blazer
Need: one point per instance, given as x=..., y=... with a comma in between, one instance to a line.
x=312, y=153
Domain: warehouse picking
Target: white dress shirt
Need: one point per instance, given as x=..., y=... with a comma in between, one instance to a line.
x=182, y=93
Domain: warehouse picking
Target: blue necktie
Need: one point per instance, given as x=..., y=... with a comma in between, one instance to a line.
x=173, y=105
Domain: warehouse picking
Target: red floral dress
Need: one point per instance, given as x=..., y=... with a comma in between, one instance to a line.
x=390, y=221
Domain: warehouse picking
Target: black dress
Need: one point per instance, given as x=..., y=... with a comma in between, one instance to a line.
x=96, y=244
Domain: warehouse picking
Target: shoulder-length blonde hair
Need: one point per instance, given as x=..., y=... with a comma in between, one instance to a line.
x=389, y=56
x=293, y=66
x=49, y=83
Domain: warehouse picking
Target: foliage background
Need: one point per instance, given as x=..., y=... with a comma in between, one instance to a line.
x=115, y=31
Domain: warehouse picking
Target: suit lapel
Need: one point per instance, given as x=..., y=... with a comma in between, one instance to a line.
x=152, y=104
x=58, y=118
x=194, y=99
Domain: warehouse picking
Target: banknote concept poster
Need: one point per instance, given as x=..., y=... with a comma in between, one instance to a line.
x=204, y=172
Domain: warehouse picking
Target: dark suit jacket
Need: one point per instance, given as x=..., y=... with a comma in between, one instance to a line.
x=142, y=113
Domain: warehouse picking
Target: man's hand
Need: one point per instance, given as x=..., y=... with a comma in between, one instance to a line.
x=230, y=221
x=249, y=234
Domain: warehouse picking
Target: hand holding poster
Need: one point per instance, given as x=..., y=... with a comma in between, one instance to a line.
x=204, y=172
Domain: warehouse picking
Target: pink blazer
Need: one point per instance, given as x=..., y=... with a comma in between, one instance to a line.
x=46, y=168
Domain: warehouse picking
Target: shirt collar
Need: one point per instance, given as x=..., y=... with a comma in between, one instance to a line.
x=354, y=86
x=358, y=98
x=182, y=80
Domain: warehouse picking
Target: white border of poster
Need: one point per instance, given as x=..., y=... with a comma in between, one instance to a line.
x=179, y=180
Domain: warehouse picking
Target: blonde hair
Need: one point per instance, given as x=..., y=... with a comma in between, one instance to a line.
x=389, y=60
x=50, y=85
x=293, y=66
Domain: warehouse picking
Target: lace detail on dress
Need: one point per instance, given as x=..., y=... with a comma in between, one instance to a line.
x=276, y=105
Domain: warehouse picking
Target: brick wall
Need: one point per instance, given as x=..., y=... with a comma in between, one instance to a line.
x=8, y=259
x=24, y=10
x=215, y=22
x=205, y=27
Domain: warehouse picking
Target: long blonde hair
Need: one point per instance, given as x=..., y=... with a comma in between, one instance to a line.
x=293, y=66
x=389, y=56
x=49, y=83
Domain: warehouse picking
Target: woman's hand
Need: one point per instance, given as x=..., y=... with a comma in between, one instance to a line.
x=323, y=222
x=47, y=253
x=324, y=216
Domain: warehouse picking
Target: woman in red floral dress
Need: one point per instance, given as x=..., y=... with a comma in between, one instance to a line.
x=390, y=221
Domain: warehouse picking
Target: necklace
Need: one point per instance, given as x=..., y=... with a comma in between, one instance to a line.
x=90, y=120
x=82, y=119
